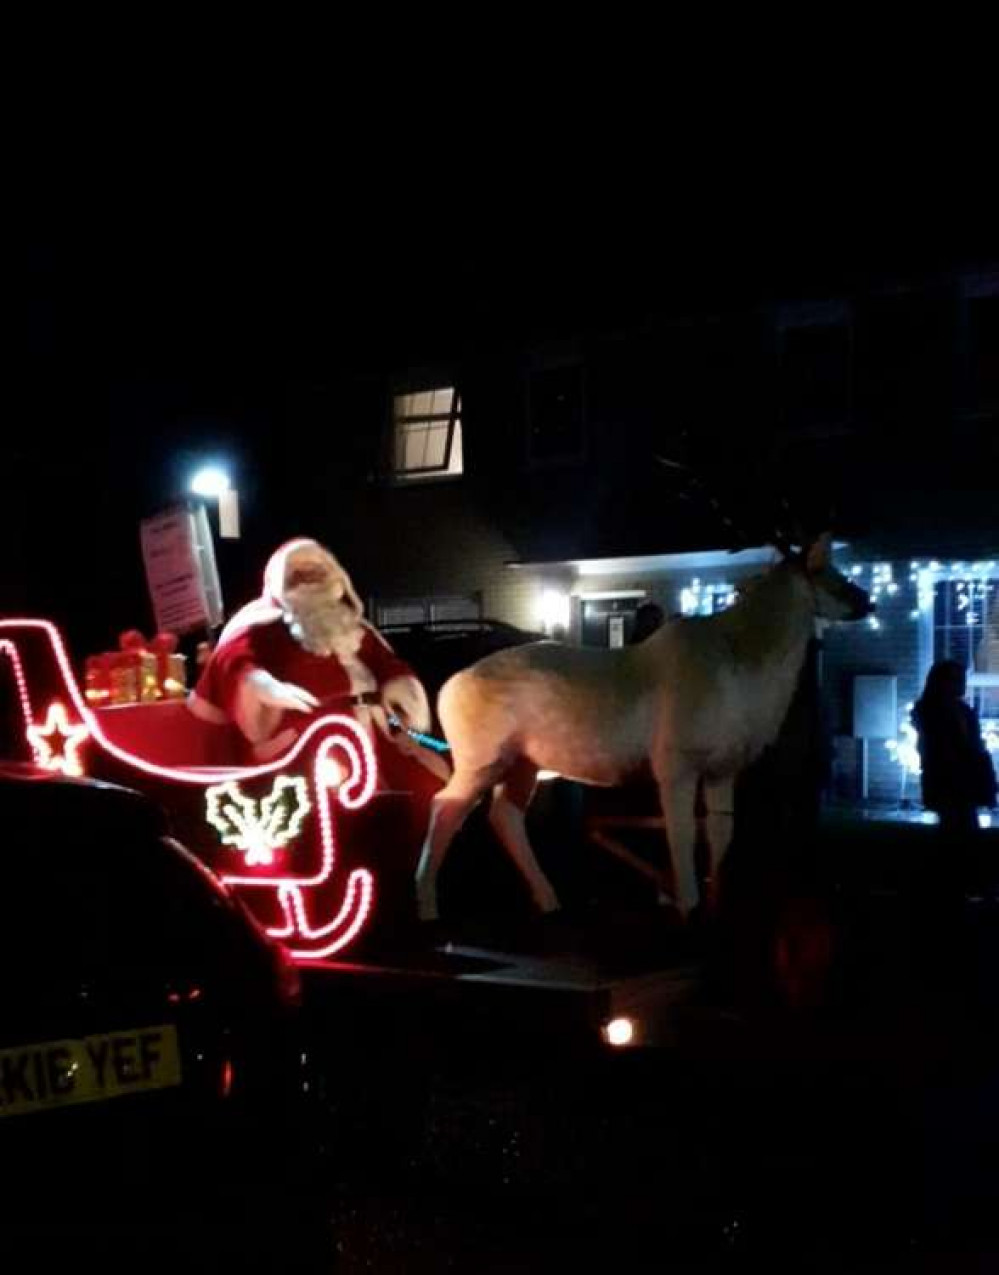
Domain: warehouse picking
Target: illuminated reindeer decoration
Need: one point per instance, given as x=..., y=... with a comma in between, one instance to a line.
x=695, y=702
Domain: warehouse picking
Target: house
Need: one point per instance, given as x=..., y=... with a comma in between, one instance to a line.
x=522, y=478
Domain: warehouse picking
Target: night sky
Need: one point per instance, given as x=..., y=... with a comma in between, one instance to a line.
x=171, y=314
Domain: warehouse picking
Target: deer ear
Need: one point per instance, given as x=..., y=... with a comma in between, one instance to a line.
x=819, y=554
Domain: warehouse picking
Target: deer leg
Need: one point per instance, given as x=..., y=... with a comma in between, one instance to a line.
x=676, y=796
x=507, y=817
x=719, y=795
x=448, y=811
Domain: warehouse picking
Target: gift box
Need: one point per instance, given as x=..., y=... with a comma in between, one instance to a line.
x=134, y=677
x=97, y=679
x=139, y=672
x=171, y=667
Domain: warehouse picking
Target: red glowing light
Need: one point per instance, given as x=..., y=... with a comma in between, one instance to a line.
x=355, y=791
x=306, y=939
x=177, y=998
x=8, y=648
x=344, y=927
x=57, y=744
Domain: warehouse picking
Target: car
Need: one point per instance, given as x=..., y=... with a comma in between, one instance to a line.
x=149, y=1029
x=439, y=649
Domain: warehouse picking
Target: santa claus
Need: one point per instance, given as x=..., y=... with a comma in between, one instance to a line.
x=303, y=647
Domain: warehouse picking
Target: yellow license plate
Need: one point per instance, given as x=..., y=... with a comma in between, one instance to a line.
x=61, y=1073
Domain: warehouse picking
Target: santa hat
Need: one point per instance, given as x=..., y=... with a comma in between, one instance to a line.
x=272, y=603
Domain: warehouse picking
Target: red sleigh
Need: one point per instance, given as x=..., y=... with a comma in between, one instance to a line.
x=273, y=832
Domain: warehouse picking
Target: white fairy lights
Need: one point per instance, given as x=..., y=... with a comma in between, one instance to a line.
x=699, y=598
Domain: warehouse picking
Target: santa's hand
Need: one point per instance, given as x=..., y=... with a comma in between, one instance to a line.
x=284, y=695
x=397, y=714
x=405, y=699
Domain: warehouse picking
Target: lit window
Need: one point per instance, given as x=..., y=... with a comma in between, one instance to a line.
x=426, y=434
x=966, y=629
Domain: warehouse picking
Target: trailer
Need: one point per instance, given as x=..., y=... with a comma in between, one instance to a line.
x=306, y=841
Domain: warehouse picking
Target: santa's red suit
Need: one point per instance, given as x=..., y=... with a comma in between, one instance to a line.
x=257, y=675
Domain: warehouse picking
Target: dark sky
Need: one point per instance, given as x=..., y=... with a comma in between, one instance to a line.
x=170, y=303
x=193, y=289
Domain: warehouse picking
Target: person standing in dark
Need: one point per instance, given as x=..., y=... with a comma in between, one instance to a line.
x=958, y=777
x=649, y=617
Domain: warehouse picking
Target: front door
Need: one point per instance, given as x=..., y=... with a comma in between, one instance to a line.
x=609, y=621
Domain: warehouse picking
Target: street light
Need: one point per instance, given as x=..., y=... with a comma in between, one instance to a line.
x=209, y=480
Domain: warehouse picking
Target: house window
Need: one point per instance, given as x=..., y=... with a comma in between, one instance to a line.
x=431, y=610
x=556, y=412
x=966, y=629
x=815, y=355
x=426, y=434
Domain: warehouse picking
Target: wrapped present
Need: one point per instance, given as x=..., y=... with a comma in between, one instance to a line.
x=97, y=683
x=171, y=666
x=139, y=672
x=133, y=676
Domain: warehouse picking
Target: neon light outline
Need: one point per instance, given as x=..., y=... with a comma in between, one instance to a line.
x=361, y=882
x=68, y=761
x=203, y=775
x=9, y=648
x=355, y=791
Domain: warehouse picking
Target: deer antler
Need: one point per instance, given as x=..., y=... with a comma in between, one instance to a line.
x=698, y=487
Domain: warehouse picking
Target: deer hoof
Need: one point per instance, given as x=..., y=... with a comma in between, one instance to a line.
x=548, y=903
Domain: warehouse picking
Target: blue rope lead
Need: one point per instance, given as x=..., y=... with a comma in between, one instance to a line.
x=428, y=741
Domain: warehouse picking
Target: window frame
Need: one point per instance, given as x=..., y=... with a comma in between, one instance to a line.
x=419, y=475
x=929, y=579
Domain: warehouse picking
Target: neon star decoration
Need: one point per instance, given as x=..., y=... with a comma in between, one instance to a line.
x=258, y=828
x=57, y=744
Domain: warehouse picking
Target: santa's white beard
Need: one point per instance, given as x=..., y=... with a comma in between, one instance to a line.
x=323, y=623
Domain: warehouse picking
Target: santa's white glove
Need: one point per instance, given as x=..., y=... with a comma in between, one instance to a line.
x=285, y=695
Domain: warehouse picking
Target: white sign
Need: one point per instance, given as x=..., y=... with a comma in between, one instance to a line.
x=181, y=573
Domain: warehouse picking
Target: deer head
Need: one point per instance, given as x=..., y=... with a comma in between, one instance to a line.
x=836, y=597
